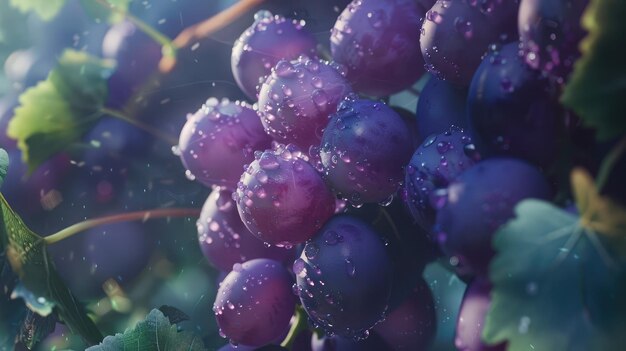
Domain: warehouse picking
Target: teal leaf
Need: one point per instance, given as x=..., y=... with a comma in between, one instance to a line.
x=45, y=9
x=555, y=285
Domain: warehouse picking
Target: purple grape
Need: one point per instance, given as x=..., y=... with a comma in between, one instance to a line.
x=469, y=327
x=282, y=199
x=440, y=106
x=455, y=35
x=268, y=40
x=337, y=343
x=412, y=325
x=364, y=150
x=513, y=111
x=117, y=251
x=440, y=159
x=344, y=277
x=411, y=124
x=218, y=140
x=225, y=240
x=378, y=42
x=550, y=32
x=296, y=99
x=479, y=201
x=137, y=57
x=255, y=302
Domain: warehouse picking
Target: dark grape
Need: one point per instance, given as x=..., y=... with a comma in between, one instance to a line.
x=344, y=277
x=269, y=39
x=282, y=199
x=479, y=201
x=440, y=106
x=471, y=321
x=378, y=43
x=297, y=97
x=411, y=123
x=137, y=57
x=440, y=159
x=255, y=302
x=455, y=35
x=225, y=240
x=364, y=150
x=550, y=32
x=337, y=343
x=412, y=325
x=513, y=111
x=218, y=140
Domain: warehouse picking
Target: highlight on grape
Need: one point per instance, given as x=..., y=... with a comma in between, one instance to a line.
x=330, y=175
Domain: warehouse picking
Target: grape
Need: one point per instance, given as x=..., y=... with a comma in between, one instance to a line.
x=25, y=68
x=267, y=41
x=296, y=99
x=336, y=343
x=255, y=302
x=513, y=111
x=344, y=277
x=469, y=327
x=412, y=325
x=218, y=140
x=116, y=251
x=378, y=42
x=550, y=33
x=224, y=239
x=479, y=201
x=455, y=35
x=364, y=149
x=137, y=57
x=411, y=124
x=440, y=106
x=440, y=159
x=282, y=199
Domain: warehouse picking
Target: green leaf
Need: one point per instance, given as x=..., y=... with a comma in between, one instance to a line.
x=4, y=165
x=111, y=11
x=55, y=113
x=597, y=87
x=154, y=333
x=27, y=256
x=555, y=286
x=35, y=328
x=46, y=9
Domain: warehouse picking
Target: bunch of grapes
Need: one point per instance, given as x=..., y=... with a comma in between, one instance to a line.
x=326, y=200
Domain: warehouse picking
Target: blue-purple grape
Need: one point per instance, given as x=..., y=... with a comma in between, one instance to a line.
x=478, y=202
x=364, y=150
x=297, y=97
x=512, y=109
x=456, y=34
x=282, y=199
x=440, y=159
x=412, y=325
x=225, y=240
x=255, y=302
x=137, y=57
x=218, y=140
x=441, y=105
x=550, y=32
x=344, y=277
x=268, y=40
x=378, y=42
x=471, y=320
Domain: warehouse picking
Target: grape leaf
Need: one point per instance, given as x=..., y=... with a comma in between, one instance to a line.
x=45, y=9
x=111, y=11
x=555, y=286
x=27, y=256
x=597, y=86
x=56, y=112
x=4, y=165
x=35, y=328
x=154, y=333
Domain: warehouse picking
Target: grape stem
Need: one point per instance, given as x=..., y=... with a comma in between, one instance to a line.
x=207, y=27
x=122, y=217
x=298, y=325
x=608, y=163
x=137, y=123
